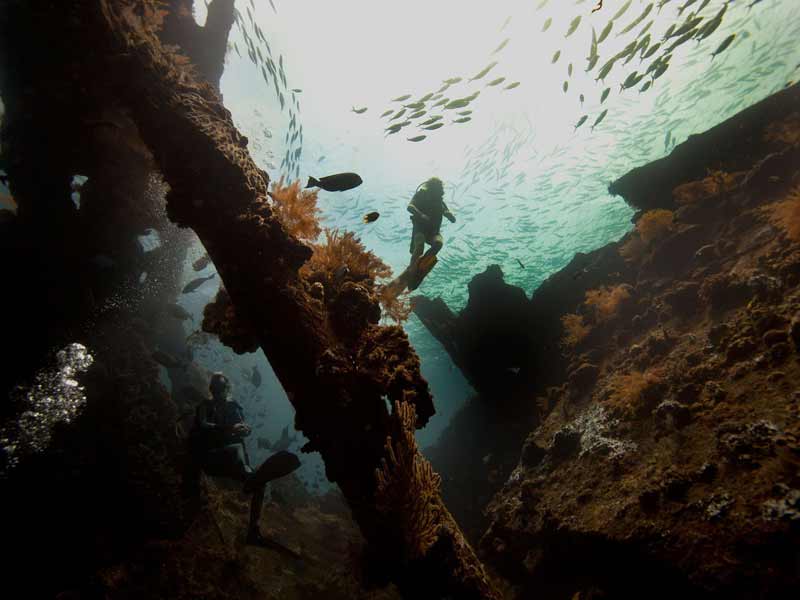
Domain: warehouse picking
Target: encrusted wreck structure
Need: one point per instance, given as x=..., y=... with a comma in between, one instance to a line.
x=635, y=430
x=336, y=377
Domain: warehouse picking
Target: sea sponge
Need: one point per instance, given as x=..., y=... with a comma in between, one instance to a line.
x=785, y=214
x=606, y=300
x=296, y=209
x=407, y=487
x=575, y=330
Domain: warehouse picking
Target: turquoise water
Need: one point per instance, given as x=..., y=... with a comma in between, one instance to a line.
x=525, y=184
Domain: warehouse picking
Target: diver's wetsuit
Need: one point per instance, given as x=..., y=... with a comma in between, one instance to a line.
x=430, y=203
x=222, y=453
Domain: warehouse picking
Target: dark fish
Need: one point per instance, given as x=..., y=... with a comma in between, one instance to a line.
x=605, y=32
x=167, y=360
x=202, y=262
x=459, y=103
x=387, y=113
x=177, y=311
x=581, y=121
x=462, y=120
x=547, y=24
x=573, y=26
x=401, y=98
x=511, y=86
x=518, y=260
x=725, y=43
x=502, y=45
x=621, y=11
x=196, y=283
x=431, y=120
x=336, y=183
x=273, y=7
x=433, y=126
x=255, y=377
x=417, y=138
x=371, y=217
x=359, y=111
x=599, y=119
x=483, y=72
x=637, y=20
x=555, y=57
x=497, y=81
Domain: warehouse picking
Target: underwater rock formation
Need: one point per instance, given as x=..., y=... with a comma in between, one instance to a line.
x=737, y=143
x=666, y=461
x=205, y=45
x=491, y=338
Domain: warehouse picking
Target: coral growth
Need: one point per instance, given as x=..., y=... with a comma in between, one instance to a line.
x=407, y=486
x=296, y=209
x=651, y=226
x=626, y=393
x=220, y=318
x=343, y=258
x=786, y=214
x=654, y=224
x=396, y=307
x=784, y=132
x=606, y=300
x=342, y=251
x=575, y=330
x=716, y=183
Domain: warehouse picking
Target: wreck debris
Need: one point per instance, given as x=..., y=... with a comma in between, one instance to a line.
x=340, y=408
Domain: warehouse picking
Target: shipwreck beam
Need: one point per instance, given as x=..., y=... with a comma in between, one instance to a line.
x=337, y=386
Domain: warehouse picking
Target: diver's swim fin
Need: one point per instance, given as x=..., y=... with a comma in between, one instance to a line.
x=312, y=182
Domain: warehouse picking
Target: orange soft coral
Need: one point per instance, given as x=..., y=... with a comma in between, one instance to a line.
x=296, y=209
x=344, y=250
x=654, y=224
x=574, y=329
x=606, y=301
x=716, y=183
x=786, y=214
x=342, y=257
x=627, y=392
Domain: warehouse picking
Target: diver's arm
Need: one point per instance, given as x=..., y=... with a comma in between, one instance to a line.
x=448, y=215
x=415, y=212
x=201, y=419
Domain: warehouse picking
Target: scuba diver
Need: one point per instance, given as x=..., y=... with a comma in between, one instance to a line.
x=427, y=208
x=218, y=443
